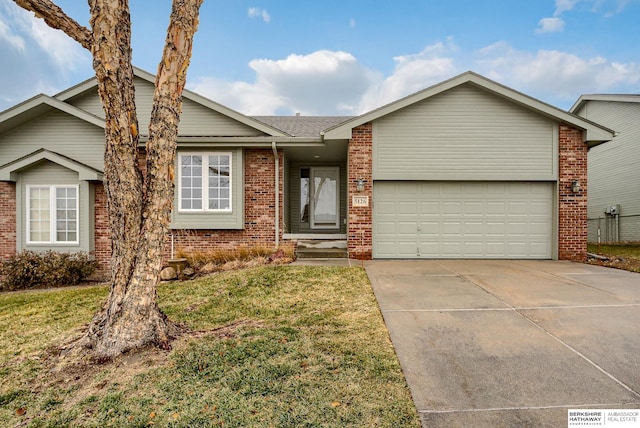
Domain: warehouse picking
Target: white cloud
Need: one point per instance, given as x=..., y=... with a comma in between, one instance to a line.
x=28, y=46
x=413, y=73
x=550, y=25
x=256, y=12
x=14, y=40
x=607, y=8
x=329, y=82
x=555, y=76
x=25, y=29
x=321, y=83
x=565, y=6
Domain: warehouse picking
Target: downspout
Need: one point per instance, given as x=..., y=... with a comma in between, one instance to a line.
x=277, y=180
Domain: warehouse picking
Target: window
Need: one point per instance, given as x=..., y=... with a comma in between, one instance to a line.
x=204, y=182
x=52, y=214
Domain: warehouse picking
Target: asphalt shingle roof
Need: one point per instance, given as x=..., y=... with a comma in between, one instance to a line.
x=302, y=126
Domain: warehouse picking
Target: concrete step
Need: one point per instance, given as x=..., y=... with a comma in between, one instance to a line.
x=322, y=244
x=321, y=253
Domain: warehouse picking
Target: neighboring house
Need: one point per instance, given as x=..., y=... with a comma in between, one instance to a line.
x=614, y=168
x=464, y=169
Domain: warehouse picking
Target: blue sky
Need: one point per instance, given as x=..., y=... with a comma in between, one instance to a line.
x=346, y=57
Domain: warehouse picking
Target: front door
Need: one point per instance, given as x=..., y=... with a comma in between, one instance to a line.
x=320, y=198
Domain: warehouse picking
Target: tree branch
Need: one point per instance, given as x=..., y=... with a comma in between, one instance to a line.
x=55, y=17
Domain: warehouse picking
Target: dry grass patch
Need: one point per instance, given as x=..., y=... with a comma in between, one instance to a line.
x=624, y=256
x=282, y=346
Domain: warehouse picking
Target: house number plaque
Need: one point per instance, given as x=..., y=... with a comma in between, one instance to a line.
x=360, y=201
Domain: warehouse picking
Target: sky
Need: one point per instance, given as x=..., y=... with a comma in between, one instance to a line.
x=347, y=57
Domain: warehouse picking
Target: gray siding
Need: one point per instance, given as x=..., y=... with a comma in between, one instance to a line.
x=222, y=220
x=57, y=132
x=49, y=173
x=465, y=134
x=614, y=169
x=195, y=120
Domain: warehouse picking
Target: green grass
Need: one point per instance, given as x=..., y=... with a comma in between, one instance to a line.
x=305, y=346
x=619, y=250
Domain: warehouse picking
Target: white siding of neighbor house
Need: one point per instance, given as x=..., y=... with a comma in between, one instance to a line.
x=465, y=133
x=58, y=132
x=614, y=169
x=195, y=120
x=49, y=173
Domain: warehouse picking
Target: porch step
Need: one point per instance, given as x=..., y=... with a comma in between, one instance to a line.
x=322, y=249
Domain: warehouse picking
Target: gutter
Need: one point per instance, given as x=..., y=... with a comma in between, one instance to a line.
x=274, y=147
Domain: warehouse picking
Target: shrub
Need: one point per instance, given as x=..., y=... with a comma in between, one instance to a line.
x=30, y=269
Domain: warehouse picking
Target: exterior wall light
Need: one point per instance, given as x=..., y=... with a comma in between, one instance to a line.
x=575, y=186
x=360, y=185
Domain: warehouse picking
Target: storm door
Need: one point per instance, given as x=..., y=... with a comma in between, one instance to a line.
x=320, y=197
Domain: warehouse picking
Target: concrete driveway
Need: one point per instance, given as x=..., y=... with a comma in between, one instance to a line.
x=511, y=343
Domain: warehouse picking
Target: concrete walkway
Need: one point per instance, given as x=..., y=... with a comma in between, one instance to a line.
x=511, y=343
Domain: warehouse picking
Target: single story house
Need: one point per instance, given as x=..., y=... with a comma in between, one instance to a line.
x=467, y=168
x=613, y=169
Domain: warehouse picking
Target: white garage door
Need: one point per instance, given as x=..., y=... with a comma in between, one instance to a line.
x=418, y=219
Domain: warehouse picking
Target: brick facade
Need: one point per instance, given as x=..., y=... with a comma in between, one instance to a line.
x=259, y=215
x=572, y=210
x=360, y=219
x=572, y=207
x=259, y=205
x=7, y=219
x=259, y=211
x=102, y=235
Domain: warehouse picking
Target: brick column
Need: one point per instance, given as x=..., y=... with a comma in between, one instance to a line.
x=7, y=220
x=572, y=207
x=360, y=164
x=102, y=232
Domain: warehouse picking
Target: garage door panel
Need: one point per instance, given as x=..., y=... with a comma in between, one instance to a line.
x=407, y=228
x=451, y=228
x=463, y=219
x=451, y=249
x=474, y=229
x=429, y=208
x=429, y=228
x=473, y=208
x=452, y=208
x=407, y=248
x=495, y=208
x=495, y=249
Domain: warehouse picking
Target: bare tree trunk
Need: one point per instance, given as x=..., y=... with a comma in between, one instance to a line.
x=139, y=207
x=131, y=317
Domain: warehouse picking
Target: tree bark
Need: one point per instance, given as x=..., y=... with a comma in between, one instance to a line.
x=139, y=207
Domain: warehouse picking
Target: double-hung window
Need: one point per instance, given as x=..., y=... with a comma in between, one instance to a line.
x=204, y=182
x=52, y=214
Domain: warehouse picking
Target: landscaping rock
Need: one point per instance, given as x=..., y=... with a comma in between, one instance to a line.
x=187, y=272
x=168, y=274
x=277, y=255
x=209, y=268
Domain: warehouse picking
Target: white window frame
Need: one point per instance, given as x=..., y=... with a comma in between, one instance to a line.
x=53, y=230
x=205, y=182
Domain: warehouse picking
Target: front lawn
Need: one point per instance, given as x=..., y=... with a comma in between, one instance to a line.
x=275, y=346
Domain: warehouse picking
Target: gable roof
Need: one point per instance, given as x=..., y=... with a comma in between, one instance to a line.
x=39, y=105
x=594, y=133
x=624, y=98
x=92, y=83
x=8, y=172
x=302, y=126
